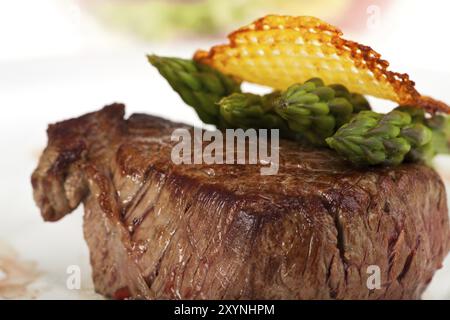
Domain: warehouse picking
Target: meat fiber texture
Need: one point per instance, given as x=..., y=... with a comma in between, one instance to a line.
x=157, y=230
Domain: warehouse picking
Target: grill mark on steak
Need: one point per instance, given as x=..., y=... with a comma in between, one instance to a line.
x=132, y=205
x=308, y=232
x=394, y=247
x=160, y=260
x=137, y=221
x=408, y=262
x=332, y=210
x=210, y=234
x=203, y=258
x=340, y=241
x=332, y=290
x=252, y=226
x=184, y=273
x=311, y=239
x=153, y=274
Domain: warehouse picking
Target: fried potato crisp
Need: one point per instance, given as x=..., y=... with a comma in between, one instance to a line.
x=278, y=51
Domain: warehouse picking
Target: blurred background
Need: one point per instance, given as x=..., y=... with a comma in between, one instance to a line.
x=62, y=58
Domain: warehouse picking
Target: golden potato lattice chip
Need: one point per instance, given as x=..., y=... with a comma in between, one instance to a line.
x=278, y=51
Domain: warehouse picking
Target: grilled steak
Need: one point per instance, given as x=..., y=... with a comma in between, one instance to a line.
x=157, y=230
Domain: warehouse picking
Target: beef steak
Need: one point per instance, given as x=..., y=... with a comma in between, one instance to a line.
x=157, y=230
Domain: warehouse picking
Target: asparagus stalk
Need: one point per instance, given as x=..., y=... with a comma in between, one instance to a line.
x=199, y=85
x=440, y=129
x=316, y=111
x=247, y=110
x=309, y=111
x=371, y=138
x=440, y=126
x=324, y=115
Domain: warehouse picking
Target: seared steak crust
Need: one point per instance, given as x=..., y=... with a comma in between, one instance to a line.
x=161, y=231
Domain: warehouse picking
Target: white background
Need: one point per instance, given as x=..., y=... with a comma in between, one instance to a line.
x=57, y=63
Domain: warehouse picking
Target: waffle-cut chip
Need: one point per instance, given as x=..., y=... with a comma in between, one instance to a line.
x=278, y=51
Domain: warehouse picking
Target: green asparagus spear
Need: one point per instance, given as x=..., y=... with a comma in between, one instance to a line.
x=199, y=85
x=440, y=129
x=321, y=114
x=316, y=111
x=440, y=126
x=308, y=111
x=247, y=110
x=371, y=138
